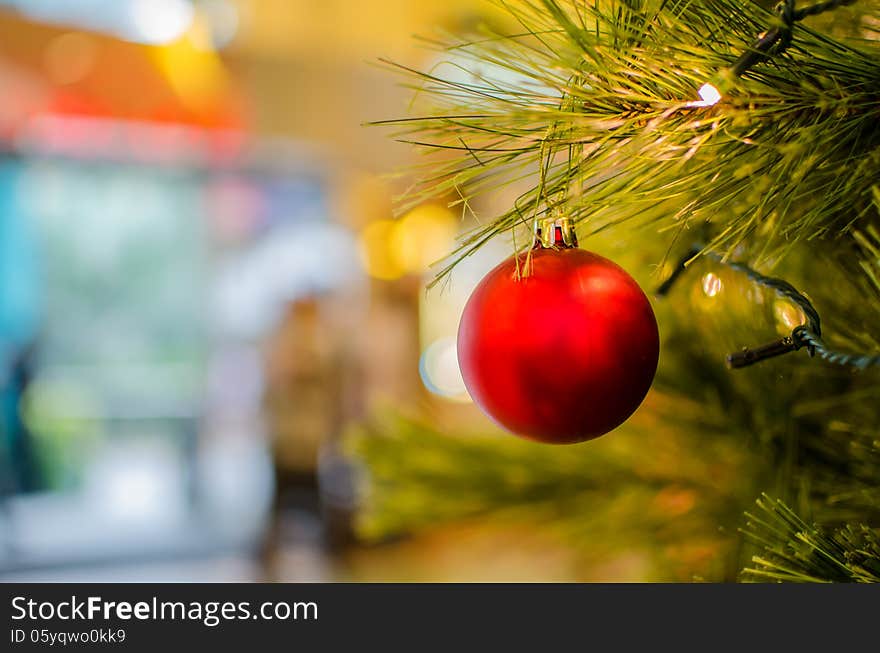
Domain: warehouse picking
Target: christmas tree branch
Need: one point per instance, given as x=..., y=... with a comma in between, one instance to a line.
x=420, y=477
x=795, y=551
x=789, y=153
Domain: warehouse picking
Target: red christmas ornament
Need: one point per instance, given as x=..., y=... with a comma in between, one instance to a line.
x=562, y=351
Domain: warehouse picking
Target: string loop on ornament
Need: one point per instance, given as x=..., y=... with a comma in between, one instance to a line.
x=805, y=336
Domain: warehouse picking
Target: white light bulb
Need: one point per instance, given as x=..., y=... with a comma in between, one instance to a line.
x=709, y=94
x=712, y=284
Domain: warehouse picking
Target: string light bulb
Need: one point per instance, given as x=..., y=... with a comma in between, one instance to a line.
x=709, y=95
x=774, y=41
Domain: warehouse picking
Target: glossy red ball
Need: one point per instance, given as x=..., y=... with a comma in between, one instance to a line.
x=562, y=354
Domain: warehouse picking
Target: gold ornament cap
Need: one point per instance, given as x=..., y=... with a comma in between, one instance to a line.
x=555, y=232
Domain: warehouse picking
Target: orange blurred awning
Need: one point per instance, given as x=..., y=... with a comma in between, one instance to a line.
x=68, y=72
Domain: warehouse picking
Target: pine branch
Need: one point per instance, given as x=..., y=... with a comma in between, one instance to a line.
x=589, y=108
x=419, y=477
x=790, y=153
x=795, y=551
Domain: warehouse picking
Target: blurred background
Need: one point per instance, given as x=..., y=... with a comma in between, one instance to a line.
x=218, y=357
x=201, y=284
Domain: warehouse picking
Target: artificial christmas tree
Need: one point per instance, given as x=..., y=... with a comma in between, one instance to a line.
x=744, y=139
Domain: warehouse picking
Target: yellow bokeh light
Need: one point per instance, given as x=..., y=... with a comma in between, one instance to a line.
x=376, y=256
x=391, y=249
x=422, y=237
x=193, y=70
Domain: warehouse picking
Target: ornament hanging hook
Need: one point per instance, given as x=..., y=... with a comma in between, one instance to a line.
x=555, y=228
x=555, y=231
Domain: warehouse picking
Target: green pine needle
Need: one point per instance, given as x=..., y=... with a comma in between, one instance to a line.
x=589, y=107
x=795, y=551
